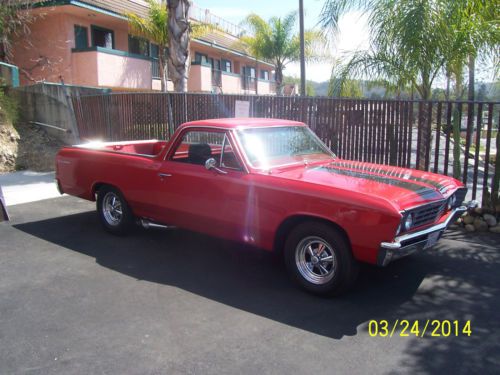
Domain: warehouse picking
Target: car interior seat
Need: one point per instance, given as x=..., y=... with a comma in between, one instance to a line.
x=199, y=153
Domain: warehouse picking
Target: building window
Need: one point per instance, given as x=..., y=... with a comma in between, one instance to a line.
x=215, y=64
x=102, y=37
x=249, y=71
x=154, y=50
x=200, y=58
x=81, y=37
x=226, y=66
x=138, y=46
x=264, y=74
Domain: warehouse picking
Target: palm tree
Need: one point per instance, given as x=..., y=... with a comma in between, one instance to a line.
x=475, y=31
x=413, y=40
x=154, y=29
x=178, y=26
x=181, y=30
x=407, y=40
x=276, y=41
x=472, y=28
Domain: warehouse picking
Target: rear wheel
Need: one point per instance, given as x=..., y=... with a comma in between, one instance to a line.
x=114, y=212
x=318, y=257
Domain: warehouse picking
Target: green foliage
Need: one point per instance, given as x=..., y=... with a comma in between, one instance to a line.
x=310, y=90
x=9, y=107
x=276, y=40
x=153, y=28
x=413, y=40
x=348, y=88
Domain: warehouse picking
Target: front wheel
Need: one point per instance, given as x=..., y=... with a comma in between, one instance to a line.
x=318, y=257
x=114, y=212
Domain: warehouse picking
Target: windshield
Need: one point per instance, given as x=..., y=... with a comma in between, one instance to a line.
x=275, y=146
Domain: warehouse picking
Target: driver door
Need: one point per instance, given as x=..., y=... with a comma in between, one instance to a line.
x=193, y=197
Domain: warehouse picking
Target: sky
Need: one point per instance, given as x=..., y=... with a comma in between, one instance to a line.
x=353, y=30
x=353, y=35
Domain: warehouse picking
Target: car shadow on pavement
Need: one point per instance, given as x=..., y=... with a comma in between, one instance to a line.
x=457, y=280
x=239, y=276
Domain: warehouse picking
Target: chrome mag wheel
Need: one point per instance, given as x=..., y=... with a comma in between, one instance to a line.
x=315, y=260
x=112, y=208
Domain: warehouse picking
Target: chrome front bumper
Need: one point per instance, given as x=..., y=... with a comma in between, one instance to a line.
x=410, y=243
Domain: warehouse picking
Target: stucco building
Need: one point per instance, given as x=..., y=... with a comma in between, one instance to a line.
x=89, y=43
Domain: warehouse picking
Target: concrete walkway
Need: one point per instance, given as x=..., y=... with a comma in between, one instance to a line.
x=27, y=186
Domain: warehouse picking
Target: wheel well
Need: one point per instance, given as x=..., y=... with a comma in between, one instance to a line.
x=291, y=222
x=99, y=185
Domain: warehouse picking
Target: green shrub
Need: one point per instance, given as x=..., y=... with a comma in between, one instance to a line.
x=9, y=107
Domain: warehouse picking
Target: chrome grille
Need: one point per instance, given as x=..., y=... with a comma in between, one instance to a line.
x=428, y=214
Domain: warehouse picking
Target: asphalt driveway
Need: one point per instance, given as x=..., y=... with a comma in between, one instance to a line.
x=75, y=300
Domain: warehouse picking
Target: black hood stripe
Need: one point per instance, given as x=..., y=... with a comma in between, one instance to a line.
x=395, y=173
x=422, y=191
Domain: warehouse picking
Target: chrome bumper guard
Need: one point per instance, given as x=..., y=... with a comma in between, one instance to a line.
x=410, y=243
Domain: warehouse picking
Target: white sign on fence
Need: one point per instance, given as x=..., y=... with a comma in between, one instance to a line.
x=241, y=108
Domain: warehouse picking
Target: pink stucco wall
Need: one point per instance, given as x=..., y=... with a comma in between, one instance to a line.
x=46, y=55
x=231, y=84
x=264, y=87
x=200, y=78
x=93, y=68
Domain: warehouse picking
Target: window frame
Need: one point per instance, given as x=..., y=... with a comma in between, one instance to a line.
x=262, y=74
x=229, y=134
x=250, y=69
x=221, y=164
x=202, y=55
x=140, y=40
x=224, y=66
x=81, y=30
x=94, y=28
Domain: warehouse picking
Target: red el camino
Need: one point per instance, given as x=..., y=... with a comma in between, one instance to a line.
x=271, y=184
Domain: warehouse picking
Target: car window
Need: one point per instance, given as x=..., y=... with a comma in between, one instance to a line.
x=228, y=157
x=198, y=146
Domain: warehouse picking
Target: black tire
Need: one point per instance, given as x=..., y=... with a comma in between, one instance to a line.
x=112, y=221
x=317, y=273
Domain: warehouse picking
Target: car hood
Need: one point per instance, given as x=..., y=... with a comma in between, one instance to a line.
x=402, y=187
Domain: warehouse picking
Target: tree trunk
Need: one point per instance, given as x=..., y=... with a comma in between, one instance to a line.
x=448, y=79
x=179, y=42
x=456, y=121
x=472, y=68
x=163, y=70
x=256, y=77
x=279, y=79
x=495, y=193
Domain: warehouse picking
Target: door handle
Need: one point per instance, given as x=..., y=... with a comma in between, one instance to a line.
x=163, y=175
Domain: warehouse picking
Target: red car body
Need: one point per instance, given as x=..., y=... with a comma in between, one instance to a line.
x=366, y=202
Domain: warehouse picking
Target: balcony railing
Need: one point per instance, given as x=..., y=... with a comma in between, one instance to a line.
x=248, y=83
x=204, y=16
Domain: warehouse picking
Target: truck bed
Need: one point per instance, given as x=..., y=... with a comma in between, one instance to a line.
x=146, y=148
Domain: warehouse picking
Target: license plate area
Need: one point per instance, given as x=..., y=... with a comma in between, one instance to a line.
x=432, y=239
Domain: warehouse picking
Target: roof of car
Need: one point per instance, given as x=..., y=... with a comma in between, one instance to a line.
x=233, y=123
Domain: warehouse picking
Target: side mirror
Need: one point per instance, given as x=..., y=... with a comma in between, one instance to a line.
x=212, y=164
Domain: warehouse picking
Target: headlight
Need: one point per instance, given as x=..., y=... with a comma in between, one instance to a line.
x=408, y=221
x=451, y=201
